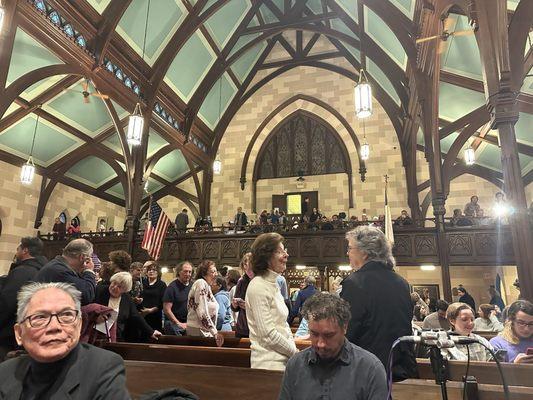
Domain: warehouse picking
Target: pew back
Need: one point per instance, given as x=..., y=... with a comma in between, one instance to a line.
x=232, y=342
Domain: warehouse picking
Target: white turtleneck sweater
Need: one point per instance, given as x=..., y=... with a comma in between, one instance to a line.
x=272, y=343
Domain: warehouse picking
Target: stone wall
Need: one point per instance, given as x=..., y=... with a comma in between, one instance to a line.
x=18, y=207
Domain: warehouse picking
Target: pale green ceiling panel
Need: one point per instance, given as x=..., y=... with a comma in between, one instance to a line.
x=523, y=129
x=28, y=55
x=489, y=156
x=92, y=171
x=244, y=64
x=12, y=108
x=164, y=19
x=340, y=26
x=51, y=143
x=462, y=55
x=455, y=101
x=281, y=3
x=405, y=6
x=525, y=162
x=172, y=166
x=226, y=20
x=350, y=6
x=383, y=80
x=528, y=83
x=385, y=37
x=190, y=66
x=242, y=41
x=353, y=51
x=90, y=118
x=153, y=186
x=210, y=111
x=40, y=87
x=420, y=137
x=268, y=16
x=315, y=6
x=99, y=5
x=512, y=4
x=155, y=142
x=254, y=22
x=447, y=142
x=116, y=190
x=113, y=142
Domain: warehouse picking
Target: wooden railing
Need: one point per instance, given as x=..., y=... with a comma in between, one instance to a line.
x=414, y=245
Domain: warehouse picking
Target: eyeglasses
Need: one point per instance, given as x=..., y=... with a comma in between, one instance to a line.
x=41, y=320
x=523, y=324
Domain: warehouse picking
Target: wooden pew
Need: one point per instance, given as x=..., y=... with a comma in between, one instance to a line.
x=231, y=357
x=484, y=372
x=243, y=343
x=215, y=382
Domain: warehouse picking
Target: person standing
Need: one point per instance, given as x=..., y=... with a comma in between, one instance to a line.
x=308, y=290
x=465, y=297
x=74, y=266
x=153, y=291
x=182, y=221
x=380, y=301
x=238, y=303
x=28, y=261
x=175, y=300
x=202, y=307
x=496, y=298
x=221, y=294
x=272, y=343
x=240, y=220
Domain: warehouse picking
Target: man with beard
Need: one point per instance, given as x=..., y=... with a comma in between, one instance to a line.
x=332, y=367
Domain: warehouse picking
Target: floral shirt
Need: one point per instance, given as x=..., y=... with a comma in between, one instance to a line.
x=202, y=308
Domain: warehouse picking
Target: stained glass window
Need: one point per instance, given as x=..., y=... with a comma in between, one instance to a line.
x=80, y=40
x=55, y=18
x=119, y=74
x=68, y=30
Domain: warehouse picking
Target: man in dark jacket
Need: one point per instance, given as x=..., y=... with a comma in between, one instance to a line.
x=380, y=301
x=28, y=261
x=74, y=266
x=182, y=220
x=466, y=298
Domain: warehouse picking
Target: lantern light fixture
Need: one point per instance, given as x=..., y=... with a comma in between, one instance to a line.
x=2, y=15
x=217, y=166
x=365, y=147
x=363, y=96
x=135, y=126
x=470, y=156
x=28, y=169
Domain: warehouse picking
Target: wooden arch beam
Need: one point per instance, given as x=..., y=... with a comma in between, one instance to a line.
x=47, y=187
x=519, y=29
x=285, y=104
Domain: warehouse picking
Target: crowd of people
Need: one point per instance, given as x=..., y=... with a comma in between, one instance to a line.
x=54, y=308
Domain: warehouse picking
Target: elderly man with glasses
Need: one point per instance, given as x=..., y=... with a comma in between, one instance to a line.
x=57, y=365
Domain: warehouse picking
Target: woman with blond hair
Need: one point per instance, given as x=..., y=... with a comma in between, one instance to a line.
x=461, y=318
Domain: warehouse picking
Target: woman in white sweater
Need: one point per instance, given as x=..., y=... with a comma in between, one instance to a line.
x=487, y=321
x=271, y=339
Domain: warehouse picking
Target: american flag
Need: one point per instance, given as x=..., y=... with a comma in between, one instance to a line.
x=155, y=232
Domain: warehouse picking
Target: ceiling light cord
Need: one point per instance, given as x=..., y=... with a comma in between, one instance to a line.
x=34, y=133
x=146, y=28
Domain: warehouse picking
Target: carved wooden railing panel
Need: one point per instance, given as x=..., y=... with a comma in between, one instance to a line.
x=413, y=246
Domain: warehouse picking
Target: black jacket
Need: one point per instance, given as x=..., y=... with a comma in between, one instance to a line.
x=467, y=299
x=131, y=326
x=381, y=312
x=57, y=270
x=20, y=273
x=91, y=373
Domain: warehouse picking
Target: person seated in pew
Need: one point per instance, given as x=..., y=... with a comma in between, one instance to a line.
x=202, y=307
x=461, y=317
x=57, y=365
x=175, y=300
x=131, y=326
x=517, y=334
x=271, y=338
x=222, y=297
x=437, y=319
x=487, y=321
x=238, y=303
x=332, y=367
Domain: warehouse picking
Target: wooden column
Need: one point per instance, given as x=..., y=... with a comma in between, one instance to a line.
x=504, y=115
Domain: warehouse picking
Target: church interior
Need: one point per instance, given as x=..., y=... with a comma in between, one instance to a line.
x=363, y=109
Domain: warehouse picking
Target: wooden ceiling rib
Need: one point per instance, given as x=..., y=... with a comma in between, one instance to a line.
x=103, y=41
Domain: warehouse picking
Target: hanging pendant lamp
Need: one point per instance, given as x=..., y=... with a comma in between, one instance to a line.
x=363, y=96
x=28, y=169
x=470, y=156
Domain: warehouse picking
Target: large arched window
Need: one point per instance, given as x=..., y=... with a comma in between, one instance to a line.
x=303, y=144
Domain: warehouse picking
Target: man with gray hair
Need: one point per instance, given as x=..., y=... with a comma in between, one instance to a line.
x=74, y=266
x=48, y=327
x=380, y=300
x=307, y=291
x=332, y=367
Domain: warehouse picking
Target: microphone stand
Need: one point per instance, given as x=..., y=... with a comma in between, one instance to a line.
x=439, y=365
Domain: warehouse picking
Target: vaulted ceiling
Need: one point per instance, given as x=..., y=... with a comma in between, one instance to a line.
x=195, y=62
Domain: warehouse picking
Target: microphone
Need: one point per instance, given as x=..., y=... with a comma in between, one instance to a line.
x=440, y=339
